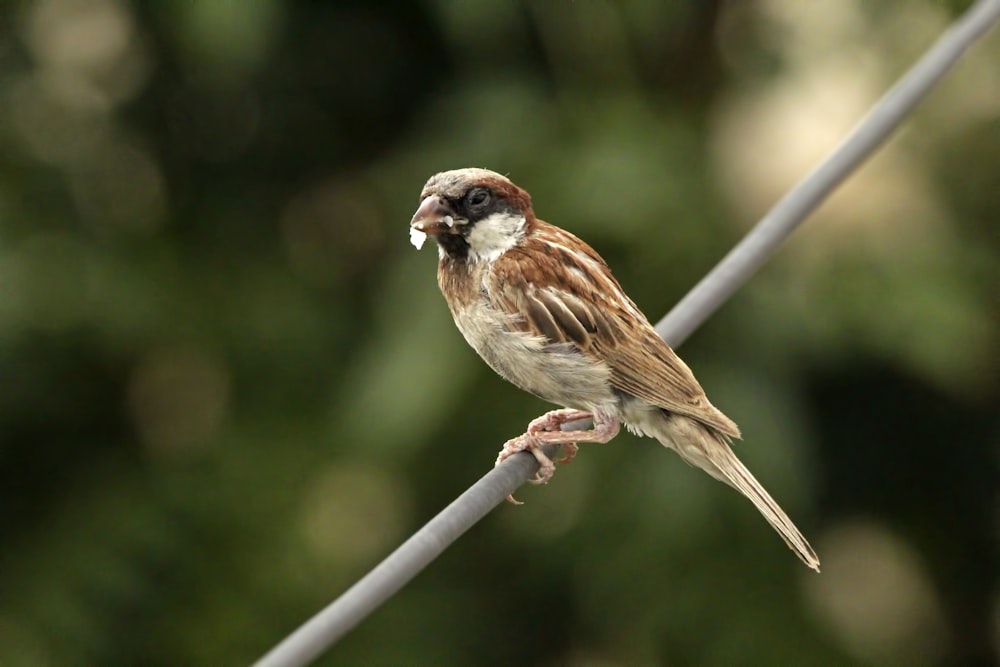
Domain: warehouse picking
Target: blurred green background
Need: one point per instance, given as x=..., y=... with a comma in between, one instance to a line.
x=230, y=386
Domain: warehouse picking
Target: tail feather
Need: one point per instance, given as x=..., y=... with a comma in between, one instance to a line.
x=710, y=451
x=734, y=473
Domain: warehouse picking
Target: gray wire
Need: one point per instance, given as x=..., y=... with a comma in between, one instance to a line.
x=365, y=596
x=760, y=243
x=347, y=611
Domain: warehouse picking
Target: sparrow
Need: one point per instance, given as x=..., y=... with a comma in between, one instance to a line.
x=544, y=311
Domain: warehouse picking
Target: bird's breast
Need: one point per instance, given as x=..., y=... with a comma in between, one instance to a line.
x=556, y=372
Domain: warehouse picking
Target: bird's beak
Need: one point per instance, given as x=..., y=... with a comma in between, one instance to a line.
x=434, y=216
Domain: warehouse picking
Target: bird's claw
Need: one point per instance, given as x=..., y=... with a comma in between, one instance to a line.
x=529, y=442
x=546, y=430
x=569, y=451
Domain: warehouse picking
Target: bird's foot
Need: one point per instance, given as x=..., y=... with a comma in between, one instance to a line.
x=528, y=442
x=546, y=430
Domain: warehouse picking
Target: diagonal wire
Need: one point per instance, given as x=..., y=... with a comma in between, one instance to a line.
x=347, y=611
x=760, y=243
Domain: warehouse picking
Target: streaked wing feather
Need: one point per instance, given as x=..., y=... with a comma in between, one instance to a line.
x=653, y=372
x=589, y=310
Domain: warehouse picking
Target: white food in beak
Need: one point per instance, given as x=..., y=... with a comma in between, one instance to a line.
x=417, y=238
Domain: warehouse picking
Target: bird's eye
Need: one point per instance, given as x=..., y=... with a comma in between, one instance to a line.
x=478, y=198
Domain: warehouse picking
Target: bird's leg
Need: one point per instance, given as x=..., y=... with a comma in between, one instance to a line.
x=545, y=430
x=552, y=421
x=549, y=422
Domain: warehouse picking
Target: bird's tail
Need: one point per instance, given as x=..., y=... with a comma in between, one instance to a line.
x=710, y=451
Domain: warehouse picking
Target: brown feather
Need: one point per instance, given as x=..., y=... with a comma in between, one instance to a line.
x=570, y=296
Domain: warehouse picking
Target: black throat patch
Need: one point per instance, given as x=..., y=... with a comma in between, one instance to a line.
x=455, y=246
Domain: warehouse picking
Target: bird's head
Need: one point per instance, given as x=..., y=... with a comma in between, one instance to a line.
x=475, y=215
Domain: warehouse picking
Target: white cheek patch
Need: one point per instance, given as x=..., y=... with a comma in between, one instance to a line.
x=417, y=238
x=494, y=235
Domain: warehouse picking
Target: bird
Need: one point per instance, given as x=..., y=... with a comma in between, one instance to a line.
x=543, y=310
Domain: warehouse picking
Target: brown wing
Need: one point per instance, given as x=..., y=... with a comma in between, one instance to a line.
x=588, y=310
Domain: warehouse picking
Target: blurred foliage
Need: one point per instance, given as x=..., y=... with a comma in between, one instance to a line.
x=230, y=385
